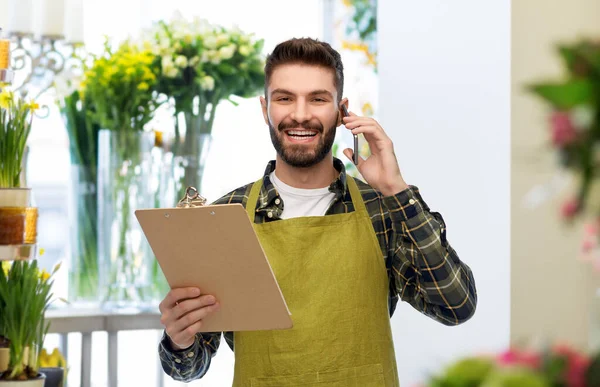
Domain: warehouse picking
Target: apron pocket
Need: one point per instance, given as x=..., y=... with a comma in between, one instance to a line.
x=370, y=375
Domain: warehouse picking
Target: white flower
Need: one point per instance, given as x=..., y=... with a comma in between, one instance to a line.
x=165, y=44
x=227, y=51
x=222, y=39
x=181, y=61
x=245, y=50
x=582, y=117
x=177, y=46
x=207, y=83
x=211, y=56
x=188, y=38
x=168, y=67
x=210, y=42
x=194, y=61
x=166, y=61
x=170, y=72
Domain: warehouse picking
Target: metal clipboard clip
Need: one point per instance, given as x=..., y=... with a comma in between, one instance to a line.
x=191, y=199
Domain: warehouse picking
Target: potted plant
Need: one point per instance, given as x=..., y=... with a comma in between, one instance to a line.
x=15, y=125
x=25, y=295
x=54, y=366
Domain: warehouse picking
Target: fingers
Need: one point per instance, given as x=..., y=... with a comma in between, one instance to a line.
x=185, y=322
x=349, y=152
x=176, y=295
x=191, y=304
x=184, y=319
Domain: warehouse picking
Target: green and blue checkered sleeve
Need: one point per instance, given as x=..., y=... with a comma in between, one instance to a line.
x=191, y=363
x=426, y=270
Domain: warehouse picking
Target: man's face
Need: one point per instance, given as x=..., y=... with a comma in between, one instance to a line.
x=302, y=113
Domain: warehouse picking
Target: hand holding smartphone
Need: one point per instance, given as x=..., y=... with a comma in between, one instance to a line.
x=355, y=153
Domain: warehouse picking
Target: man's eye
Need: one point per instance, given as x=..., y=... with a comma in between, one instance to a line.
x=319, y=100
x=283, y=99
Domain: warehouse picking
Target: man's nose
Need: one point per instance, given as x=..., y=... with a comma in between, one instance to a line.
x=301, y=113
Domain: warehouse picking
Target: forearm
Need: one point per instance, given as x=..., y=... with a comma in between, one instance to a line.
x=425, y=268
x=191, y=363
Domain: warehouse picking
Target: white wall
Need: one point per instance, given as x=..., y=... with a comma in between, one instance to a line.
x=445, y=101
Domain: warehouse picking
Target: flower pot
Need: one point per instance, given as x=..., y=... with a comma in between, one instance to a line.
x=15, y=197
x=12, y=225
x=18, y=221
x=4, y=359
x=54, y=376
x=18, y=225
x=37, y=382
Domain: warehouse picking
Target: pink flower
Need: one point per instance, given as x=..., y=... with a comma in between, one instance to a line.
x=591, y=229
x=569, y=208
x=563, y=130
x=525, y=358
x=577, y=365
x=588, y=245
x=576, y=370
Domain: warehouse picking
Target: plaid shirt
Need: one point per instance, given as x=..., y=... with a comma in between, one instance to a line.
x=422, y=267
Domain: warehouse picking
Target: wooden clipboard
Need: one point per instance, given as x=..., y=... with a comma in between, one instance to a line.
x=216, y=249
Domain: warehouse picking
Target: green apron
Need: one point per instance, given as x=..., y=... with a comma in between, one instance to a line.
x=332, y=274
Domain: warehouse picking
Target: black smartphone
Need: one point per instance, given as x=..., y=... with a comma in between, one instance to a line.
x=355, y=154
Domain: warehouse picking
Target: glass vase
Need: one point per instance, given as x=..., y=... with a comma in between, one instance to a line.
x=83, y=220
x=124, y=186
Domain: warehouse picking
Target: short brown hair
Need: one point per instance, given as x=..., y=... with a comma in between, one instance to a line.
x=306, y=51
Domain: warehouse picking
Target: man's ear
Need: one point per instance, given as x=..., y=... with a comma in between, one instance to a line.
x=263, y=104
x=344, y=101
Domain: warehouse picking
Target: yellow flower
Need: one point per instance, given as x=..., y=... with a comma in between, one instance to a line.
x=158, y=138
x=5, y=267
x=33, y=106
x=44, y=275
x=143, y=86
x=42, y=251
x=6, y=98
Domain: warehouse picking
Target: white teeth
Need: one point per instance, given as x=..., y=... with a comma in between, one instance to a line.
x=301, y=133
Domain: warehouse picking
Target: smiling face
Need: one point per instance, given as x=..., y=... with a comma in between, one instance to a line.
x=302, y=113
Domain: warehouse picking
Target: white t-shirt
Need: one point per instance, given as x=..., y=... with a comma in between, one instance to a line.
x=302, y=202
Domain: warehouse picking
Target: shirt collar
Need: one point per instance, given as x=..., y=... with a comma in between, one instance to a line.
x=269, y=194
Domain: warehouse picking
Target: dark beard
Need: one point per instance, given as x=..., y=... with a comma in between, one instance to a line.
x=294, y=155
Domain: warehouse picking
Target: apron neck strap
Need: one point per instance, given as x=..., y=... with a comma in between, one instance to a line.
x=253, y=198
x=357, y=201
x=359, y=204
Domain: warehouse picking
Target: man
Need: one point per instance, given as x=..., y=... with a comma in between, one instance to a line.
x=343, y=251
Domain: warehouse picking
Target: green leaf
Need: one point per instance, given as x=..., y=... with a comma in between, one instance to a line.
x=566, y=95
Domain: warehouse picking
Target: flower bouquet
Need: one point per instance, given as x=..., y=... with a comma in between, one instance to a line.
x=199, y=65
x=119, y=86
